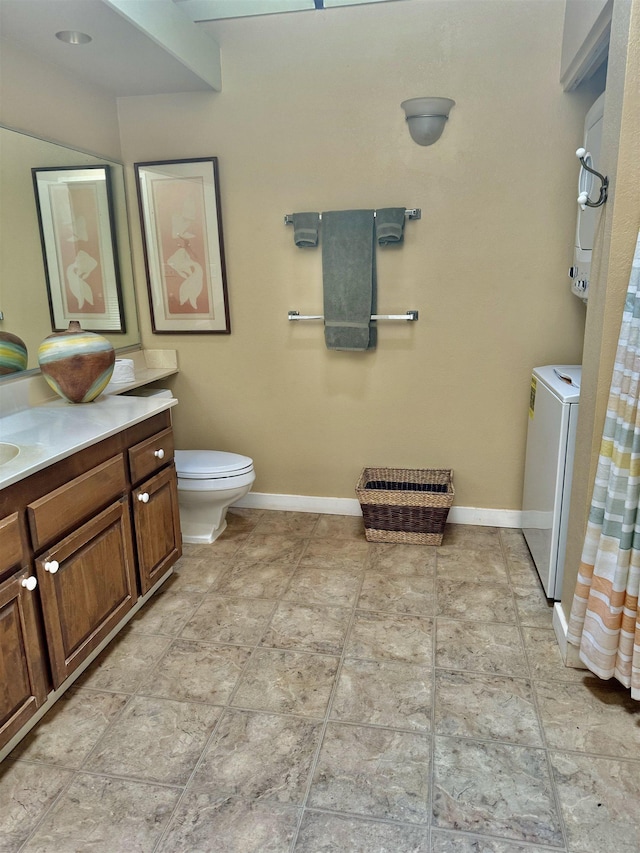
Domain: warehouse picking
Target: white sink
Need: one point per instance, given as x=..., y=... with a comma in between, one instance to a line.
x=8, y=452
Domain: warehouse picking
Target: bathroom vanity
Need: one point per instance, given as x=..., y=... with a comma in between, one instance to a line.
x=89, y=524
x=89, y=529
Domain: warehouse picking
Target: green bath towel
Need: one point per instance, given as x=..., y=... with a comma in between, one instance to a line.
x=348, y=273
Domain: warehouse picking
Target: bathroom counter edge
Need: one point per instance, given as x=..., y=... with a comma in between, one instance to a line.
x=55, y=430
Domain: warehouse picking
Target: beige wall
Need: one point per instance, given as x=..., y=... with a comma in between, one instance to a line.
x=613, y=253
x=42, y=99
x=309, y=118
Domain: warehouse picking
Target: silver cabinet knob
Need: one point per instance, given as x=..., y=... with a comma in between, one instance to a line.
x=159, y=453
x=144, y=497
x=51, y=566
x=30, y=583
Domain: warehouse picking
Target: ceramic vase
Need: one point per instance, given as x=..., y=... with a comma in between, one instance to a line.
x=76, y=364
x=13, y=354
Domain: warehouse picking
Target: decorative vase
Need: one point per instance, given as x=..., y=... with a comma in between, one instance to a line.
x=13, y=354
x=76, y=364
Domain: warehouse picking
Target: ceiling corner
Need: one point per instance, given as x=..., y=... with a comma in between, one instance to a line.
x=167, y=26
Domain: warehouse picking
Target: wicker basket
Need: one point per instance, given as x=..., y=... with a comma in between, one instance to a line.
x=405, y=505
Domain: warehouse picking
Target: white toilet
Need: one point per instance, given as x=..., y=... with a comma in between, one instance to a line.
x=209, y=481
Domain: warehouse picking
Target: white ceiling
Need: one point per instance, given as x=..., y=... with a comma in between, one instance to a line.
x=121, y=58
x=133, y=51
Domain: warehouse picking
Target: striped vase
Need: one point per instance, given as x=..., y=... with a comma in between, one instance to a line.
x=13, y=354
x=76, y=364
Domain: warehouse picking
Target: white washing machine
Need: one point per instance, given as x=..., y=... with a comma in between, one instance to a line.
x=551, y=439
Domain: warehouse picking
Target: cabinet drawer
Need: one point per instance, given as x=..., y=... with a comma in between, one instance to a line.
x=12, y=552
x=150, y=455
x=63, y=509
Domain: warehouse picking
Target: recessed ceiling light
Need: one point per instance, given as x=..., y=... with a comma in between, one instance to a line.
x=73, y=37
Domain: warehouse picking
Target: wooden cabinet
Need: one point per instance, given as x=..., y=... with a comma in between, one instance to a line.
x=87, y=585
x=101, y=528
x=87, y=579
x=22, y=674
x=157, y=526
x=155, y=506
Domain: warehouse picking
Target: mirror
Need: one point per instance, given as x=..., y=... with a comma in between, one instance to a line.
x=24, y=302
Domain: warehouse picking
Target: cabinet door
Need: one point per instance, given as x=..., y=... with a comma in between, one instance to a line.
x=87, y=584
x=157, y=526
x=22, y=681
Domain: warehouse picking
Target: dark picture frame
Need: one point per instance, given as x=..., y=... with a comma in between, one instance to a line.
x=181, y=222
x=77, y=233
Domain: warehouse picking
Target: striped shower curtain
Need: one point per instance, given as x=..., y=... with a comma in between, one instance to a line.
x=604, y=621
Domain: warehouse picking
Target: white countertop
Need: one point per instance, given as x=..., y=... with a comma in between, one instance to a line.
x=54, y=430
x=143, y=377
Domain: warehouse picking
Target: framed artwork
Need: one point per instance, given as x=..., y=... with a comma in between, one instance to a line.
x=75, y=215
x=183, y=247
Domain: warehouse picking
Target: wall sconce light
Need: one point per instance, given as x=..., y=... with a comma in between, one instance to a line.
x=426, y=118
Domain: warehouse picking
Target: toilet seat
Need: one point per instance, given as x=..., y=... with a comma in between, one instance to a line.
x=211, y=464
x=209, y=482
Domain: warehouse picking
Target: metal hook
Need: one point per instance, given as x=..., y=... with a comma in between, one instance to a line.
x=583, y=198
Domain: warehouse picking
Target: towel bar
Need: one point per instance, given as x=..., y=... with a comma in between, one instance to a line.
x=410, y=316
x=413, y=213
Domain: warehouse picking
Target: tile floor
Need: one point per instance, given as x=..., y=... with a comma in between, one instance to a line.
x=295, y=688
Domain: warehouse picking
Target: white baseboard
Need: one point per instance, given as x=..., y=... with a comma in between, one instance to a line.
x=301, y=503
x=570, y=654
x=485, y=517
x=560, y=626
x=351, y=506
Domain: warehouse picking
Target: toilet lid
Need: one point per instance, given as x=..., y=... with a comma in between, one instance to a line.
x=209, y=464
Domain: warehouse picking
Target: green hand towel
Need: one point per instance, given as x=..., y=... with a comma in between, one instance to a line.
x=305, y=229
x=348, y=272
x=390, y=225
